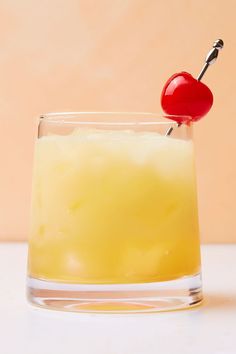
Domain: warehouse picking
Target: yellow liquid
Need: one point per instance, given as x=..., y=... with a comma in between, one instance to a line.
x=113, y=207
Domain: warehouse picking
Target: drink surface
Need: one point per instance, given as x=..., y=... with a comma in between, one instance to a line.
x=113, y=207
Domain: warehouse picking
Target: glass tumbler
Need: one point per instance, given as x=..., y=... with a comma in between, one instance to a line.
x=114, y=224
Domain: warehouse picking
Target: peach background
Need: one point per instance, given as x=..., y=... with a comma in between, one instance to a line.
x=114, y=55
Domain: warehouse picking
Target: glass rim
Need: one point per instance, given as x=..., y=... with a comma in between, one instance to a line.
x=143, y=118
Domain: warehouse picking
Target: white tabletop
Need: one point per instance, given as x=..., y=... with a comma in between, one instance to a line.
x=209, y=329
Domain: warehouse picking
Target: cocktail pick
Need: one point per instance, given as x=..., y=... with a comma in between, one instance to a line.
x=210, y=59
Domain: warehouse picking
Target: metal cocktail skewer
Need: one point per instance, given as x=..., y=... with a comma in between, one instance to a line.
x=210, y=59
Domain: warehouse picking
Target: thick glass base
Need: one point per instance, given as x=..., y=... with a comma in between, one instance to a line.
x=116, y=298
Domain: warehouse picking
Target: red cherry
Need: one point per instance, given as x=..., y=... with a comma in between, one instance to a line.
x=183, y=95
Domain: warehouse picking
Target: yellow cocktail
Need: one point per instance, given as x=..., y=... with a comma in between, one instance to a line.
x=114, y=217
x=113, y=207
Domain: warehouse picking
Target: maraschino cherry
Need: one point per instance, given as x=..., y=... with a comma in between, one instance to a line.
x=186, y=98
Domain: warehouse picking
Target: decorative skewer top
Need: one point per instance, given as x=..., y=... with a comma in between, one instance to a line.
x=211, y=56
